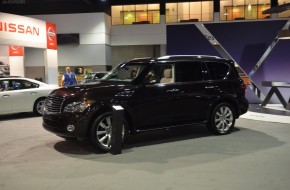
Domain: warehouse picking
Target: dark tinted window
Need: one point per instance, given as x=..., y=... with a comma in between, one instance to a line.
x=218, y=70
x=188, y=71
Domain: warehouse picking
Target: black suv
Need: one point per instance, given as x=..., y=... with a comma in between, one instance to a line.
x=170, y=91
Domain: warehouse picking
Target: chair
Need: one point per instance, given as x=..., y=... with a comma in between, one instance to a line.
x=167, y=76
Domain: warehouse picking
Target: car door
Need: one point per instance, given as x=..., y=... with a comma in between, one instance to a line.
x=23, y=95
x=217, y=84
x=152, y=103
x=5, y=100
x=193, y=101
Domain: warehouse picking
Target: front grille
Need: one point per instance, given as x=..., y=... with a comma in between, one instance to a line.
x=53, y=104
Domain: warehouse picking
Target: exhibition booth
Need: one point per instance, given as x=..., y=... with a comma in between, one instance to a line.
x=17, y=32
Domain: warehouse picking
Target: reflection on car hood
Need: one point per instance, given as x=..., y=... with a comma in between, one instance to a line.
x=100, y=86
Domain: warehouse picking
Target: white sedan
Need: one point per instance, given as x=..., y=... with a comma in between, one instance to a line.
x=23, y=95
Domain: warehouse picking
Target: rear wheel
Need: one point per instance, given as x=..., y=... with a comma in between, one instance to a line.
x=38, y=106
x=101, y=132
x=222, y=119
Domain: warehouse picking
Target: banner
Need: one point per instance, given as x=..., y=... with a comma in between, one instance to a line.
x=51, y=36
x=27, y=32
x=15, y=51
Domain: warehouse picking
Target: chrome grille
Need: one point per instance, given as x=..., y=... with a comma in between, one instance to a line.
x=53, y=104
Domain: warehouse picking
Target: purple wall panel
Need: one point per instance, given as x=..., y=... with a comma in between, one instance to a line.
x=246, y=41
x=187, y=40
x=275, y=68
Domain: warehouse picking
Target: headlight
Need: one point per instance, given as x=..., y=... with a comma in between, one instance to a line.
x=78, y=106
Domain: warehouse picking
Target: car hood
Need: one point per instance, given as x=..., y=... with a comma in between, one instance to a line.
x=100, y=89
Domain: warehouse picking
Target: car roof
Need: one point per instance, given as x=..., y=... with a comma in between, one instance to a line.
x=173, y=58
x=141, y=60
x=8, y=77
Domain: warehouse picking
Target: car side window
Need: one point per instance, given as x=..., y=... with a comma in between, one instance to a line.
x=21, y=84
x=188, y=72
x=160, y=73
x=218, y=71
x=4, y=85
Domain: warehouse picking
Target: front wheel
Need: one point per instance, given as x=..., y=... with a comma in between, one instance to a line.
x=38, y=106
x=101, y=132
x=222, y=119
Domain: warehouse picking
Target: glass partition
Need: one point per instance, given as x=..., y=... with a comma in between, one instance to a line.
x=136, y=14
x=285, y=14
x=189, y=11
x=243, y=9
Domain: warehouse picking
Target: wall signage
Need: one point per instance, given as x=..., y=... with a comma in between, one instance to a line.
x=28, y=32
x=51, y=36
x=15, y=51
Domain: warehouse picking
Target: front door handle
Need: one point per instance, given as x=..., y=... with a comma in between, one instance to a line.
x=173, y=90
x=6, y=96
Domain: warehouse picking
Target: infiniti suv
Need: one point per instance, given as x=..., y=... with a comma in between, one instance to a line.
x=161, y=93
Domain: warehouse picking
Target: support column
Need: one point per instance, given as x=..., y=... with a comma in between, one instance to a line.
x=216, y=17
x=16, y=66
x=163, y=50
x=51, y=66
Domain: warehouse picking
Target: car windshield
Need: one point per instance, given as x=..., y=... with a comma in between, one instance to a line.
x=89, y=76
x=97, y=75
x=125, y=72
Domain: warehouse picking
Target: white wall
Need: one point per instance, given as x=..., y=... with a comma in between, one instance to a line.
x=94, y=31
x=33, y=57
x=51, y=66
x=96, y=38
x=16, y=66
x=82, y=55
x=93, y=28
x=4, y=50
x=4, y=54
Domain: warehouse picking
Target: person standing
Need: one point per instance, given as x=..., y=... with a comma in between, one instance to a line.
x=69, y=78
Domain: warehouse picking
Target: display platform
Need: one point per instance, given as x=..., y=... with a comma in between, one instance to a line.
x=270, y=113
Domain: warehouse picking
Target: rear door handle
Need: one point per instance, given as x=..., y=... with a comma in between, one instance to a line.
x=33, y=93
x=211, y=87
x=6, y=96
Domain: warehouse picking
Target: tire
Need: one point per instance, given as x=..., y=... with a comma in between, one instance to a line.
x=38, y=106
x=222, y=119
x=100, y=134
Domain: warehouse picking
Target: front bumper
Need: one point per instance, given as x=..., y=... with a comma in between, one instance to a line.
x=58, y=124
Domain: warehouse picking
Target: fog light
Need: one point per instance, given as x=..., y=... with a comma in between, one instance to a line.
x=70, y=128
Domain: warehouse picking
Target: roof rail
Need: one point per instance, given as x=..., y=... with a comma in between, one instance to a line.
x=189, y=56
x=142, y=58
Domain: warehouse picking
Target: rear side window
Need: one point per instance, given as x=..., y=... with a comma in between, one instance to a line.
x=218, y=70
x=188, y=72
